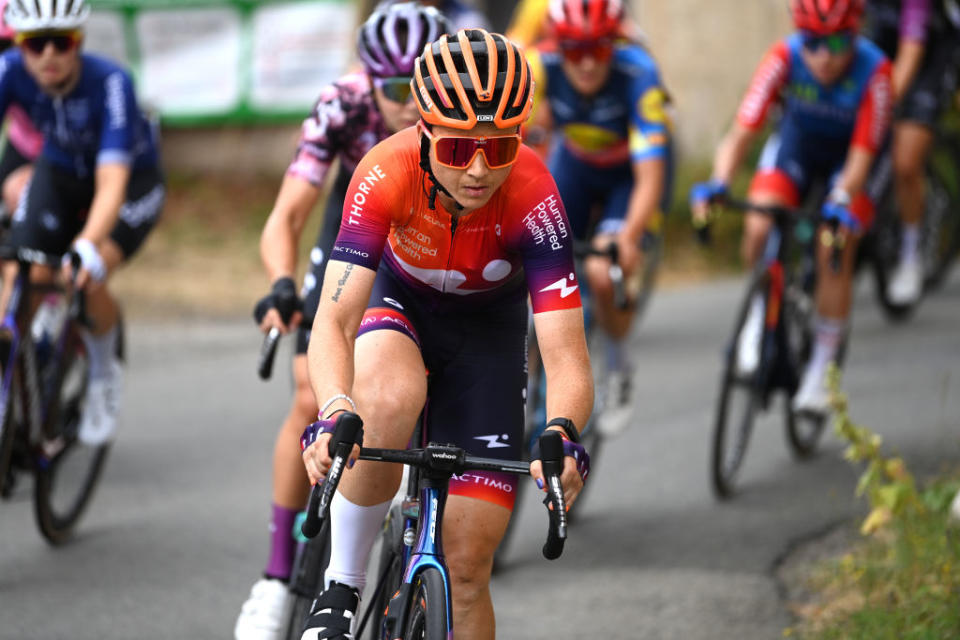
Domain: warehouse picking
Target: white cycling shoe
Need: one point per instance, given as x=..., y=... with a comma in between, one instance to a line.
x=98, y=420
x=813, y=397
x=263, y=615
x=906, y=283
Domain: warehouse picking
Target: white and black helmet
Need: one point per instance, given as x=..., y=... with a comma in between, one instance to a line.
x=40, y=15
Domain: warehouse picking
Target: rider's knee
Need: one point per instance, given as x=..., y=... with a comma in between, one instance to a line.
x=907, y=167
x=470, y=564
x=304, y=402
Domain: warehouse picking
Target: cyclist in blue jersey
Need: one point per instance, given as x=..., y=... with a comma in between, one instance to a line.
x=834, y=91
x=921, y=38
x=96, y=188
x=605, y=98
x=350, y=116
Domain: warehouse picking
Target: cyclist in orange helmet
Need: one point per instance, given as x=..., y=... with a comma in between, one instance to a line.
x=446, y=228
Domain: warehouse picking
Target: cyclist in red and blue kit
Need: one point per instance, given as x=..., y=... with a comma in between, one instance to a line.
x=835, y=94
x=446, y=229
x=604, y=97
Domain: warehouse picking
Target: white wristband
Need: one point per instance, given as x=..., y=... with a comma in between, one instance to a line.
x=90, y=258
x=339, y=396
x=839, y=196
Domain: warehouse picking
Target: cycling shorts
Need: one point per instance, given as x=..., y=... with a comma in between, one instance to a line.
x=55, y=204
x=934, y=83
x=10, y=160
x=931, y=88
x=582, y=186
x=476, y=381
x=791, y=163
x=313, y=279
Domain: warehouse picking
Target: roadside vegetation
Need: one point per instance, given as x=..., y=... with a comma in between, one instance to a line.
x=901, y=581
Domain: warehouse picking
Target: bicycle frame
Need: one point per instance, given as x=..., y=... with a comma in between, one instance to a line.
x=436, y=464
x=21, y=359
x=773, y=373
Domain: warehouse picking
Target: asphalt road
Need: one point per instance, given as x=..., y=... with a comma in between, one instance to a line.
x=177, y=532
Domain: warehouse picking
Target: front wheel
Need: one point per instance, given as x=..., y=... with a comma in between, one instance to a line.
x=389, y=571
x=803, y=429
x=306, y=579
x=427, y=619
x=740, y=398
x=68, y=471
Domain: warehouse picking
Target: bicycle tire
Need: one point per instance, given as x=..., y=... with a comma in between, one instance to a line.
x=723, y=467
x=306, y=580
x=652, y=255
x=884, y=255
x=427, y=618
x=57, y=517
x=941, y=226
x=803, y=430
x=7, y=437
x=389, y=570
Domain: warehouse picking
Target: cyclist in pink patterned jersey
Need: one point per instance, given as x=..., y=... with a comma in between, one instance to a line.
x=445, y=230
x=350, y=117
x=23, y=142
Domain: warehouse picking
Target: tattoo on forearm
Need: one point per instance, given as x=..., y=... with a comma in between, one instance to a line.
x=341, y=282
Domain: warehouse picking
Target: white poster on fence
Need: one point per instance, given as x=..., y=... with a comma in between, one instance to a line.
x=297, y=49
x=190, y=59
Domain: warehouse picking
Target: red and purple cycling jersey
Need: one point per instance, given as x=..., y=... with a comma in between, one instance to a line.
x=519, y=240
x=345, y=122
x=856, y=108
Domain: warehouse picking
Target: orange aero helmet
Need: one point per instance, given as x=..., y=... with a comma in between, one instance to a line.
x=472, y=77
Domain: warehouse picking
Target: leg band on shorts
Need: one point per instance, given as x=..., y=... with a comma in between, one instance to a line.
x=489, y=486
x=377, y=318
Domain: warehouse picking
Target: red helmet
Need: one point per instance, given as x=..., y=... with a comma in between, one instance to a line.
x=827, y=16
x=585, y=19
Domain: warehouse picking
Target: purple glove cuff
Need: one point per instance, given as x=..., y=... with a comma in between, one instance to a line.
x=314, y=430
x=580, y=455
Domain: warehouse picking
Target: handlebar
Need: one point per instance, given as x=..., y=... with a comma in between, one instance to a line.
x=447, y=459
x=77, y=305
x=582, y=250
x=347, y=432
x=829, y=237
x=268, y=351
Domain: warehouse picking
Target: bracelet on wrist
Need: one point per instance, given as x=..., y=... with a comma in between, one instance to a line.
x=339, y=396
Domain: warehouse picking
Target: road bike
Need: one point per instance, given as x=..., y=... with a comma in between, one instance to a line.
x=784, y=279
x=590, y=436
x=412, y=596
x=940, y=228
x=44, y=381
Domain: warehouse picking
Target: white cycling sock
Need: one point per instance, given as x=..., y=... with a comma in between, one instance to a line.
x=616, y=354
x=909, y=241
x=353, y=529
x=828, y=336
x=100, y=351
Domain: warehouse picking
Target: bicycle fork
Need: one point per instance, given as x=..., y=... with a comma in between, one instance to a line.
x=426, y=553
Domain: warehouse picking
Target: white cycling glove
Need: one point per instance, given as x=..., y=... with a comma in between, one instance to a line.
x=90, y=259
